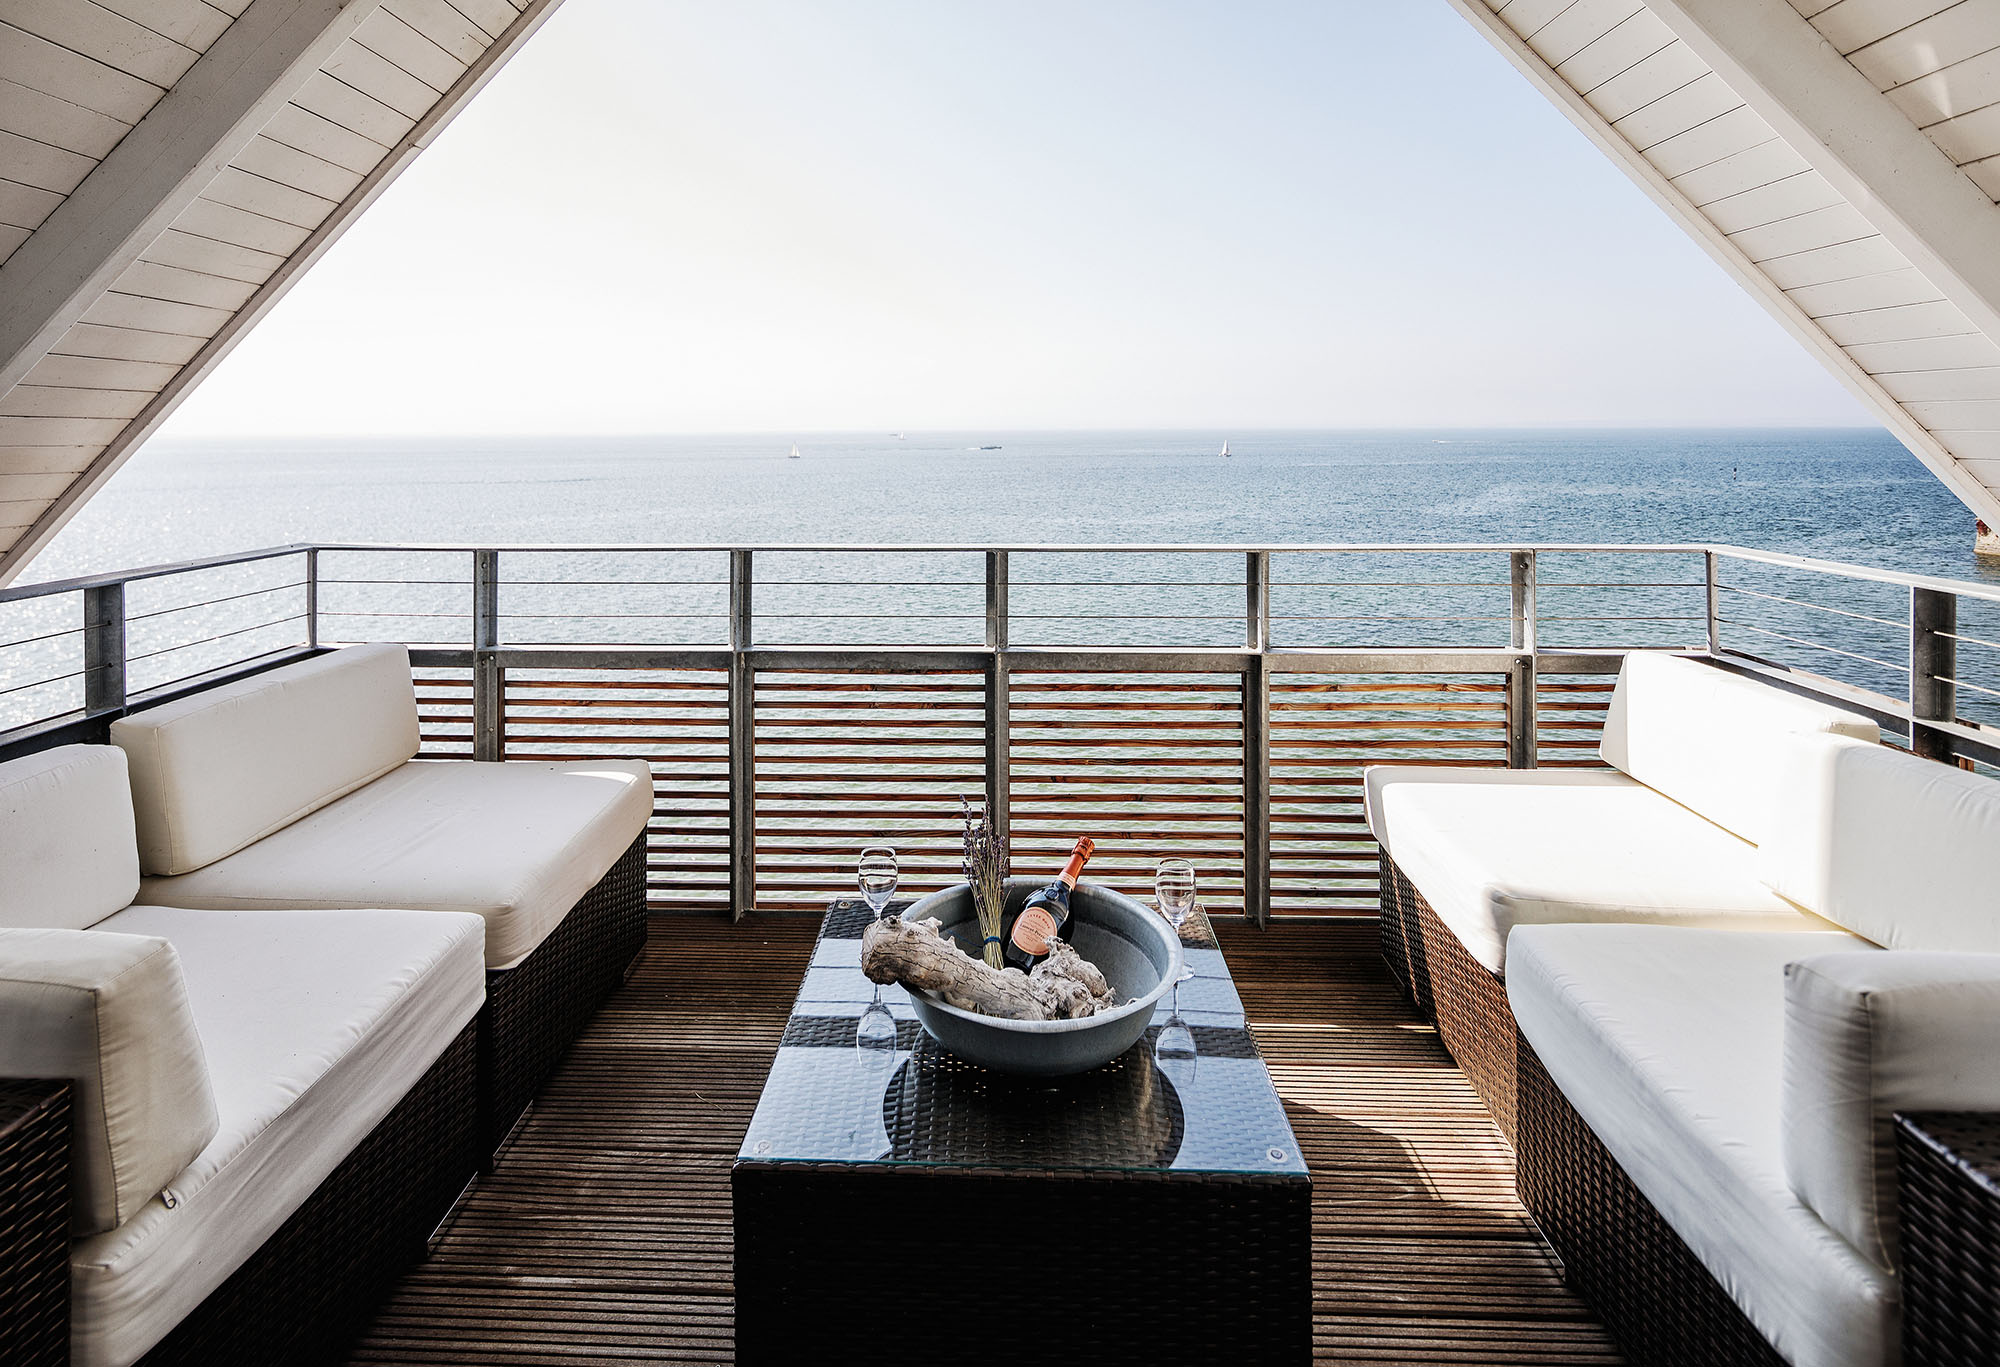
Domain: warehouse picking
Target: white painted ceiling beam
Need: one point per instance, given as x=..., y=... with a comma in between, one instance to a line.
x=1857, y=138
x=1731, y=257
x=158, y=169
x=267, y=296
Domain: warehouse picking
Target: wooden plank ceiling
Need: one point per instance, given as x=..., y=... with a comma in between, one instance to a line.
x=169, y=167
x=111, y=312
x=1840, y=159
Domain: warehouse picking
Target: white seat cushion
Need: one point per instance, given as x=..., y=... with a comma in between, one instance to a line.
x=109, y=1012
x=1867, y=1035
x=516, y=843
x=213, y=771
x=1711, y=739
x=316, y=1024
x=67, y=857
x=1491, y=849
x=1668, y=1043
x=1904, y=851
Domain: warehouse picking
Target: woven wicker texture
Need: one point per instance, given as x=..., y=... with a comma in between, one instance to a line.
x=312, y=1286
x=1653, y=1294
x=1177, y=1271
x=1468, y=1003
x=941, y=1109
x=535, y=1009
x=34, y=1223
x=1948, y=1173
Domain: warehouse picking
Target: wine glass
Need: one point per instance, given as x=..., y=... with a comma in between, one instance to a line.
x=876, y=876
x=1173, y=893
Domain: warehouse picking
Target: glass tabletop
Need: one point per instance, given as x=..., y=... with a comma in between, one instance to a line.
x=829, y=1100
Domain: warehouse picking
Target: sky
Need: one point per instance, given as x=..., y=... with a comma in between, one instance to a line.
x=785, y=215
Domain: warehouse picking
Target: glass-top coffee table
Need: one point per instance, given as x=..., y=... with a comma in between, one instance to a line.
x=1144, y=1212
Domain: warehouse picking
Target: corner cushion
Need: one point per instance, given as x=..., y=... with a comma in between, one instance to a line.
x=1709, y=738
x=109, y=1012
x=1867, y=1035
x=1901, y=850
x=67, y=857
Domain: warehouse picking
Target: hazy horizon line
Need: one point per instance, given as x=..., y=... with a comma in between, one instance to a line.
x=1219, y=429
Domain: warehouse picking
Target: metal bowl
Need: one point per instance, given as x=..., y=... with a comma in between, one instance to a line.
x=1132, y=945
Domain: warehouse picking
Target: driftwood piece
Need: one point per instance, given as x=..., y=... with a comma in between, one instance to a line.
x=1063, y=986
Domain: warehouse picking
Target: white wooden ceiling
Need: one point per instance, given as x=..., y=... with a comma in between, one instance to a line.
x=1840, y=159
x=169, y=167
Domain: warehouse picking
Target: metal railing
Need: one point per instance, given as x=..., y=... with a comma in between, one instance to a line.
x=797, y=702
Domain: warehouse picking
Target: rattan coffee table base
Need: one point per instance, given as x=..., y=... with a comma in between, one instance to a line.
x=1158, y=1268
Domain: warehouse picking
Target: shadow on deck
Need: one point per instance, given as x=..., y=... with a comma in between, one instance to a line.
x=603, y=1234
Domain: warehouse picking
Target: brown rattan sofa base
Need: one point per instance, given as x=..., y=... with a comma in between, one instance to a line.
x=313, y=1285
x=1453, y=990
x=1653, y=1294
x=34, y=1222
x=535, y=1009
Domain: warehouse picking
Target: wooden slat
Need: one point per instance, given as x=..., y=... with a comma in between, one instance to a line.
x=603, y=1234
x=677, y=724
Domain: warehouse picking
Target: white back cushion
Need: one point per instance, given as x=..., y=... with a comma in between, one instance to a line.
x=1900, y=850
x=67, y=854
x=1867, y=1035
x=1704, y=737
x=216, y=771
x=109, y=1012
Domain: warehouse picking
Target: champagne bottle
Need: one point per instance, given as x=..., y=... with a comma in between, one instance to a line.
x=1047, y=911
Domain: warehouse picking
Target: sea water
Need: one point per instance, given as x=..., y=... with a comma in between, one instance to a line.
x=1852, y=495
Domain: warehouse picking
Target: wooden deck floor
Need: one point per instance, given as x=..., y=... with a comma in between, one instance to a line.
x=603, y=1235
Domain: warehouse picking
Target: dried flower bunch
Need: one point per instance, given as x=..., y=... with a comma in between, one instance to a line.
x=986, y=871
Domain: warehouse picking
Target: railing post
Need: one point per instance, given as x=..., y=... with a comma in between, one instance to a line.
x=742, y=742
x=312, y=597
x=999, y=786
x=1257, y=739
x=1521, y=683
x=1933, y=667
x=489, y=684
x=103, y=649
x=1713, y=609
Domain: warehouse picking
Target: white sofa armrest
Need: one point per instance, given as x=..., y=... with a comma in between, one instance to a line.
x=1867, y=1035
x=110, y=1013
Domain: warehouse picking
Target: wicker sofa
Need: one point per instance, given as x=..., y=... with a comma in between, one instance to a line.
x=1706, y=1116
x=1666, y=836
x=300, y=788
x=1699, y=1086
x=270, y=1109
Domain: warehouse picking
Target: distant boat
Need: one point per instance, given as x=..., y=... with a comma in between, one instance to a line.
x=795, y=452
x=989, y=448
x=1225, y=450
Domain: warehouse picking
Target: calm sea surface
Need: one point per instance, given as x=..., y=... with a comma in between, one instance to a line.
x=1845, y=495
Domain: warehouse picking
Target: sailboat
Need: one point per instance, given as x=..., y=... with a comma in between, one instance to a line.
x=795, y=452
x=1225, y=450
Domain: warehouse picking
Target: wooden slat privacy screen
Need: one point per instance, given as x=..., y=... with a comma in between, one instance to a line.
x=845, y=761
x=1324, y=730
x=1148, y=765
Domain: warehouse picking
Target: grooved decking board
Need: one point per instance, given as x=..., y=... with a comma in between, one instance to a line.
x=603, y=1233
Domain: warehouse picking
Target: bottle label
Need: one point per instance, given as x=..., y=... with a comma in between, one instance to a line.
x=1033, y=931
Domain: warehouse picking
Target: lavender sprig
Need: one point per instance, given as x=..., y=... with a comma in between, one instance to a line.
x=986, y=871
